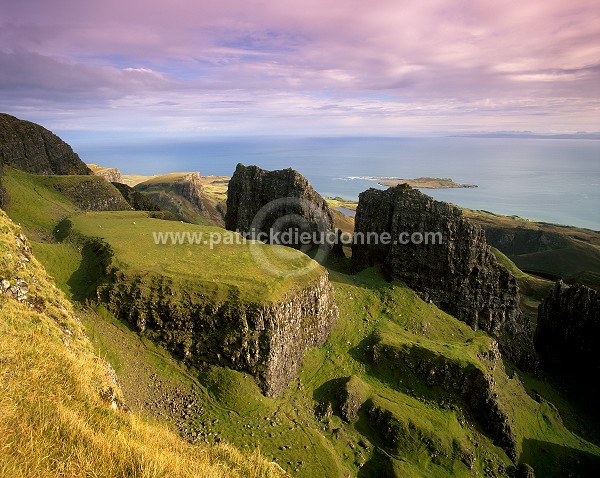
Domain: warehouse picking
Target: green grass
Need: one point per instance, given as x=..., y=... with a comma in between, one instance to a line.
x=287, y=429
x=531, y=286
x=34, y=203
x=55, y=419
x=224, y=270
x=569, y=253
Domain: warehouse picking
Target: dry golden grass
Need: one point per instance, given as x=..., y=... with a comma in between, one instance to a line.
x=54, y=421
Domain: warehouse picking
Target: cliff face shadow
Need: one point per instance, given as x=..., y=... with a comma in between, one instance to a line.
x=328, y=392
x=379, y=466
x=91, y=272
x=556, y=461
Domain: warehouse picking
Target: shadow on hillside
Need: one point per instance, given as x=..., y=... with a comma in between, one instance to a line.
x=555, y=461
x=328, y=393
x=571, y=396
x=379, y=465
x=91, y=272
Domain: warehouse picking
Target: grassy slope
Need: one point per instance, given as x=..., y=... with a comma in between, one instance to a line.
x=35, y=204
x=54, y=420
x=577, y=260
x=532, y=289
x=224, y=269
x=287, y=429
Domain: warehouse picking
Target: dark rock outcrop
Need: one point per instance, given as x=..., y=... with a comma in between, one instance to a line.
x=352, y=397
x=454, y=269
x=92, y=194
x=34, y=149
x=525, y=470
x=266, y=340
x=516, y=241
x=137, y=200
x=260, y=201
x=112, y=175
x=568, y=331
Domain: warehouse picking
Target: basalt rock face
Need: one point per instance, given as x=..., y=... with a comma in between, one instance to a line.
x=34, y=149
x=568, y=330
x=183, y=195
x=136, y=199
x=93, y=194
x=112, y=175
x=266, y=340
x=262, y=200
x=454, y=269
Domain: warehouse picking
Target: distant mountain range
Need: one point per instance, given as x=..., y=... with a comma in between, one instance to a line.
x=529, y=134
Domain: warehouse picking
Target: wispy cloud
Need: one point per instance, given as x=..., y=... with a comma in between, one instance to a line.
x=302, y=66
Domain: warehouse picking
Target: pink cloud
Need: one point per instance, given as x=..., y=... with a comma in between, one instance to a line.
x=428, y=53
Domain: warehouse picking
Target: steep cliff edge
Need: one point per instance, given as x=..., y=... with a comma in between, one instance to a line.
x=112, y=175
x=266, y=340
x=183, y=194
x=260, y=201
x=32, y=148
x=454, y=269
x=136, y=199
x=213, y=304
x=568, y=330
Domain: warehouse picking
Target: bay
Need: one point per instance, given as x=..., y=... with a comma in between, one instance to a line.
x=552, y=180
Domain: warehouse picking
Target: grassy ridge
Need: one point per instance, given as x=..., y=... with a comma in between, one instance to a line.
x=548, y=250
x=58, y=414
x=229, y=267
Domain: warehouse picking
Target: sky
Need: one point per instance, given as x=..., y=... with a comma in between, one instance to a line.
x=301, y=67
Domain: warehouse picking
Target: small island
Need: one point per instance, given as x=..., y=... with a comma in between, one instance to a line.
x=424, y=183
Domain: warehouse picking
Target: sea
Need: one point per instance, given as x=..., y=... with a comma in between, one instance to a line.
x=550, y=180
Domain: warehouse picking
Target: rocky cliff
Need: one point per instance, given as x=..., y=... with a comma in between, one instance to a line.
x=524, y=241
x=568, y=330
x=266, y=340
x=183, y=195
x=91, y=194
x=112, y=175
x=260, y=201
x=136, y=199
x=467, y=383
x=460, y=274
x=32, y=148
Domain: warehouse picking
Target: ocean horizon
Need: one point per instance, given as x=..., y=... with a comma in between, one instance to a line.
x=549, y=180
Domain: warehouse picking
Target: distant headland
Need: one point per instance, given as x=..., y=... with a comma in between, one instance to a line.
x=422, y=183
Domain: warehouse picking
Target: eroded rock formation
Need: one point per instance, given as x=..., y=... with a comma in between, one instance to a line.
x=136, y=199
x=32, y=148
x=92, y=194
x=469, y=385
x=112, y=175
x=568, y=330
x=266, y=340
x=182, y=194
x=259, y=201
x=460, y=274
